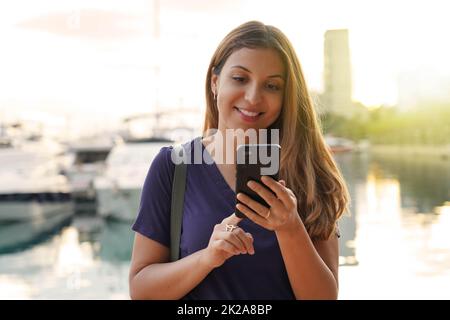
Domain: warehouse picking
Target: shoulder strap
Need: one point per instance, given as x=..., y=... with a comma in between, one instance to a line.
x=176, y=214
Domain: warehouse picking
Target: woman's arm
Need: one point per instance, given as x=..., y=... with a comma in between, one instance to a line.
x=153, y=277
x=312, y=268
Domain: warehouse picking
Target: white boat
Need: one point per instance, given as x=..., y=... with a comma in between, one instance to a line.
x=84, y=161
x=31, y=186
x=118, y=189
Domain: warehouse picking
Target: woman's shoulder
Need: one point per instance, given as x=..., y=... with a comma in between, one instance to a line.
x=163, y=158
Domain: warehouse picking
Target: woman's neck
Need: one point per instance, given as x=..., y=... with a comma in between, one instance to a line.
x=223, y=144
x=221, y=148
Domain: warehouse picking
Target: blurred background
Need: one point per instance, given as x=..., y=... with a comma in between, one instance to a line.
x=91, y=90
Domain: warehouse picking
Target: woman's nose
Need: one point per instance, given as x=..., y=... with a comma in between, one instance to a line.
x=253, y=95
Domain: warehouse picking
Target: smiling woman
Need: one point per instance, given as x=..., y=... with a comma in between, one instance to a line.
x=252, y=89
x=254, y=82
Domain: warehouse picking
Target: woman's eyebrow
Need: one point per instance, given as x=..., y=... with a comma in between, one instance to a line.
x=272, y=76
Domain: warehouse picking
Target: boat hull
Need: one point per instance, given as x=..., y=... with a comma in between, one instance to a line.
x=118, y=204
x=32, y=210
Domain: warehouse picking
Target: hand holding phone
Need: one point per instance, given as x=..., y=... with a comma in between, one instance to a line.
x=253, y=162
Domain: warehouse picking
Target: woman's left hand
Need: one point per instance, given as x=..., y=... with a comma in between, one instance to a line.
x=282, y=213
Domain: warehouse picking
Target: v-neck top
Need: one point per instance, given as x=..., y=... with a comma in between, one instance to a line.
x=208, y=200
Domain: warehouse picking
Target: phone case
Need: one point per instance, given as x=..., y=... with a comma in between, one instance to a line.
x=252, y=171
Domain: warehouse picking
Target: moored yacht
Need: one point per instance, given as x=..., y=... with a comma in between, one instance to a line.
x=31, y=186
x=118, y=189
x=85, y=159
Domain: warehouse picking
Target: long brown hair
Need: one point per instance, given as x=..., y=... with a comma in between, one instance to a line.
x=307, y=165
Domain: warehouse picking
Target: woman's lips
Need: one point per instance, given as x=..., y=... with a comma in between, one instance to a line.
x=248, y=116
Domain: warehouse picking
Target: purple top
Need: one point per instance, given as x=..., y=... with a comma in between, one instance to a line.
x=208, y=200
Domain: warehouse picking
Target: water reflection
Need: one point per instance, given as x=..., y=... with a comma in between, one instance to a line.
x=86, y=259
x=394, y=244
x=354, y=168
x=116, y=242
x=19, y=236
x=424, y=180
x=391, y=187
x=401, y=244
x=111, y=240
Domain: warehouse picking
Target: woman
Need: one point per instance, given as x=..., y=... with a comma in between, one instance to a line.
x=287, y=251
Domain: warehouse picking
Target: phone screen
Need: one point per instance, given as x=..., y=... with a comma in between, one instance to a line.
x=254, y=161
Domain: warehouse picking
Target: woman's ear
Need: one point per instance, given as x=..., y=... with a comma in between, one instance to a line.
x=214, y=82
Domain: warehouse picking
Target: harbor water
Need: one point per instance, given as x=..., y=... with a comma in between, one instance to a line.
x=394, y=244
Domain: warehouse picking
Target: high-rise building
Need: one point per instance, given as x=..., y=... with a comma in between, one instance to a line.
x=337, y=96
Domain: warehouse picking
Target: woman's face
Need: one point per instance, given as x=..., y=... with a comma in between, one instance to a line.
x=249, y=89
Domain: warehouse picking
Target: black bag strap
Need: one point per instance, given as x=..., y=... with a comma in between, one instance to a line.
x=176, y=213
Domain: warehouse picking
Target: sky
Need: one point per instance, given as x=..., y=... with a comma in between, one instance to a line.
x=87, y=60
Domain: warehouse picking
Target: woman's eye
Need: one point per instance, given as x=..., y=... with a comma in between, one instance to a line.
x=273, y=87
x=239, y=79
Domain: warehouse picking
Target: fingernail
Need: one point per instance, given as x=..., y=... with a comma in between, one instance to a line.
x=250, y=184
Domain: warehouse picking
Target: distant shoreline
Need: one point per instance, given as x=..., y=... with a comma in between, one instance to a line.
x=420, y=150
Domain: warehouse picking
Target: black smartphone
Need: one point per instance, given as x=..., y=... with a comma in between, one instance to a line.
x=253, y=162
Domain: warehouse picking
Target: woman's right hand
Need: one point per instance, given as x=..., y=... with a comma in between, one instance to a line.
x=224, y=244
